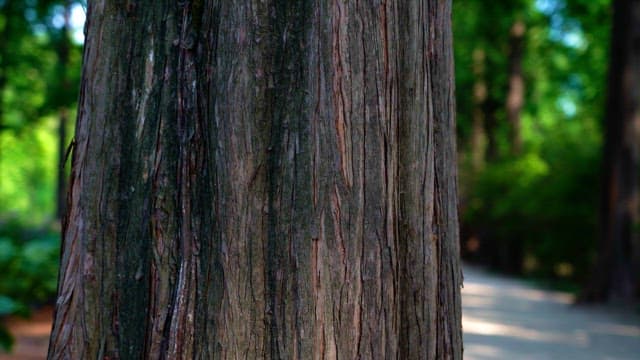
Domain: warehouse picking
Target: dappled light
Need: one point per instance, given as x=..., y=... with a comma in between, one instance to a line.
x=476, y=326
x=504, y=318
x=478, y=291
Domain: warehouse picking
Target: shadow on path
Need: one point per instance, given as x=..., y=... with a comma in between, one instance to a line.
x=506, y=318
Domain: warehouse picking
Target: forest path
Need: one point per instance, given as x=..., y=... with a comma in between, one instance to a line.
x=506, y=318
x=503, y=318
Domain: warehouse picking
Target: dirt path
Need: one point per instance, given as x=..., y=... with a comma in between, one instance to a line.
x=509, y=319
x=31, y=335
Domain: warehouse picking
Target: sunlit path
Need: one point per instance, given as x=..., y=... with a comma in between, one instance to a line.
x=508, y=319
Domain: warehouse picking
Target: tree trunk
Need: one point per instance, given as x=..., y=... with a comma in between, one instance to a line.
x=618, y=266
x=263, y=180
x=515, y=96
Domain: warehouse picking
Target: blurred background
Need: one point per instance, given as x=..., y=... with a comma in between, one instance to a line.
x=548, y=121
x=40, y=58
x=531, y=80
x=547, y=140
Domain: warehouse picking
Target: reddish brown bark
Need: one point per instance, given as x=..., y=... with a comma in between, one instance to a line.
x=263, y=180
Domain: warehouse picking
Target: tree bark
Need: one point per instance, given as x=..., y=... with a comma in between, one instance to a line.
x=262, y=179
x=618, y=266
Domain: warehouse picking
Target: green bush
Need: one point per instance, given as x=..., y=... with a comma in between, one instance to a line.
x=29, y=268
x=537, y=213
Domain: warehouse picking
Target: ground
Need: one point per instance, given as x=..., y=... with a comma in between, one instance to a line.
x=505, y=318
x=32, y=335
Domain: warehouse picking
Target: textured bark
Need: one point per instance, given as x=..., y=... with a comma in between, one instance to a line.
x=617, y=271
x=263, y=179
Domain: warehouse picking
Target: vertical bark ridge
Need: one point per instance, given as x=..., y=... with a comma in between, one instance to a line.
x=288, y=146
x=427, y=205
x=239, y=85
x=416, y=164
x=442, y=87
x=162, y=172
x=211, y=270
x=193, y=185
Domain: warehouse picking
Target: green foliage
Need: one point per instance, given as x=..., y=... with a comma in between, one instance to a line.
x=35, y=87
x=28, y=167
x=537, y=211
x=29, y=266
x=544, y=202
x=39, y=76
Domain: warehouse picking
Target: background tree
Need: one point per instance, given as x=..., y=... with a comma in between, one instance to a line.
x=263, y=180
x=516, y=91
x=617, y=274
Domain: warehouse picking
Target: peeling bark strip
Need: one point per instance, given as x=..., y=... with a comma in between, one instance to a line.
x=263, y=179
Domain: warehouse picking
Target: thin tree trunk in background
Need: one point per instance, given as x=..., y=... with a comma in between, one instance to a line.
x=63, y=116
x=515, y=96
x=617, y=269
x=61, y=189
x=491, y=106
x=478, y=134
x=263, y=180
